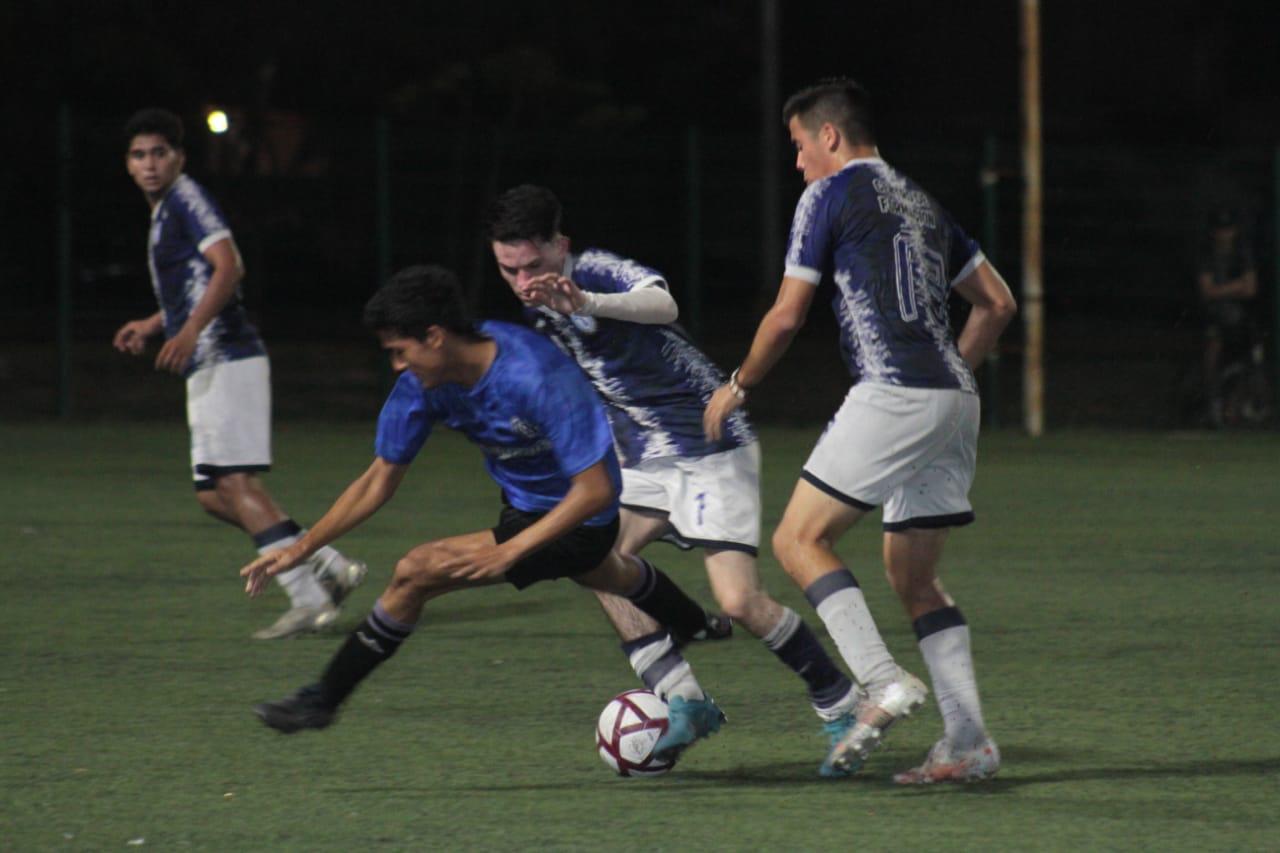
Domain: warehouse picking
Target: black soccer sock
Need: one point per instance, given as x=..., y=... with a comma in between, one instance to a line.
x=372, y=642
x=798, y=648
x=658, y=596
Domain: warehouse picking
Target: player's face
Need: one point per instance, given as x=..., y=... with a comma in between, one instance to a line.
x=812, y=158
x=524, y=260
x=424, y=358
x=153, y=163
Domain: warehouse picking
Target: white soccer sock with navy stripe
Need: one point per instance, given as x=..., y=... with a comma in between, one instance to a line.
x=944, y=642
x=661, y=666
x=839, y=602
x=300, y=582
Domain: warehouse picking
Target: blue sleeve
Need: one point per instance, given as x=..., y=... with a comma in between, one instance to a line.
x=201, y=218
x=405, y=422
x=570, y=411
x=964, y=255
x=809, y=244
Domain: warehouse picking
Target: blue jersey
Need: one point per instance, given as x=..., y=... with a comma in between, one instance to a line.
x=534, y=416
x=655, y=381
x=183, y=225
x=894, y=254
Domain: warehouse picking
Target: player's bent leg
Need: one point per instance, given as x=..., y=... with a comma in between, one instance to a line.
x=805, y=538
x=419, y=576
x=638, y=529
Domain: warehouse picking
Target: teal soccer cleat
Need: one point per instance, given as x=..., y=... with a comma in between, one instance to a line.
x=687, y=722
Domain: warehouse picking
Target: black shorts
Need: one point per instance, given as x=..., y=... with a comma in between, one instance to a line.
x=580, y=550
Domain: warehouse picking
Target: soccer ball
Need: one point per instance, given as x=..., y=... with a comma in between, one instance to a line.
x=629, y=727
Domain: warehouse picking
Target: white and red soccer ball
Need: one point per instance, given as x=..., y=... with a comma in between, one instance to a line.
x=629, y=727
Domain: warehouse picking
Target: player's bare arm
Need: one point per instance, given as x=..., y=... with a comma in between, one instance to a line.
x=773, y=337
x=365, y=496
x=1242, y=287
x=993, y=308
x=590, y=492
x=228, y=270
x=132, y=336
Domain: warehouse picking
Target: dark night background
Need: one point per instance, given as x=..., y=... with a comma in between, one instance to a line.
x=646, y=119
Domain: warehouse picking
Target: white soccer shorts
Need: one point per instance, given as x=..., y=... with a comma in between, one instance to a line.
x=711, y=501
x=912, y=450
x=229, y=413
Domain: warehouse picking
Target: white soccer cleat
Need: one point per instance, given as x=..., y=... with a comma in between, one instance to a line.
x=339, y=575
x=944, y=764
x=299, y=620
x=884, y=708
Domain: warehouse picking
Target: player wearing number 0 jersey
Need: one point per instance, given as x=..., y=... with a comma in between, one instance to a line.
x=905, y=437
x=615, y=317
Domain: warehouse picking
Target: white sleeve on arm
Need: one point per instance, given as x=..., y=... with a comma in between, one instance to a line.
x=649, y=303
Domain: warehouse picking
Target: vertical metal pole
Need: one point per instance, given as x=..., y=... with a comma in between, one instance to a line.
x=1032, y=247
x=382, y=198
x=693, y=231
x=770, y=118
x=990, y=178
x=64, y=262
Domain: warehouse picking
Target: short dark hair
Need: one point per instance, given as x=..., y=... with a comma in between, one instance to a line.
x=416, y=298
x=526, y=212
x=154, y=121
x=838, y=101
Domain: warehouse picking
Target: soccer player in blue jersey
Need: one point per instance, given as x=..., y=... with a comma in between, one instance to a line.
x=616, y=318
x=195, y=273
x=905, y=437
x=546, y=443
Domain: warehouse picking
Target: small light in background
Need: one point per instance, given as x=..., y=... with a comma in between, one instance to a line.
x=217, y=121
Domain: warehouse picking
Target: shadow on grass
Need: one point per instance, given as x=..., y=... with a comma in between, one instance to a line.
x=1012, y=779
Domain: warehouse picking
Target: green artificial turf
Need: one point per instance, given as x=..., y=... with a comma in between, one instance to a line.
x=1123, y=591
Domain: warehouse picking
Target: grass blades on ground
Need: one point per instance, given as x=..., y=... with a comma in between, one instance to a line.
x=1122, y=589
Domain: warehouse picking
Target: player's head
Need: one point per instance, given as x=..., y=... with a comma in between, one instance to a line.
x=153, y=150
x=417, y=315
x=827, y=121
x=523, y=228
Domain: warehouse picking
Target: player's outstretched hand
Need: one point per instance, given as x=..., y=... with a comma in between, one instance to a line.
x=131, y=337
x=722, y=404
x=557, y=292
x=176, y=353
x=261, y=570
x=480, y=564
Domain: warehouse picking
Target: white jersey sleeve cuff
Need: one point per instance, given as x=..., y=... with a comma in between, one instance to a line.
x=215, y=237
x=808, y=274
x=968, y=268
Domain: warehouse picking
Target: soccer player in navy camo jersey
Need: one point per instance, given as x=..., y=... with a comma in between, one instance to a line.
x=616, y=318
x=905, y=437
x=546, y=443
x=195, y=273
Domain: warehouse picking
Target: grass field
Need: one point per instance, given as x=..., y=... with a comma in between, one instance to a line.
x=1124, y=592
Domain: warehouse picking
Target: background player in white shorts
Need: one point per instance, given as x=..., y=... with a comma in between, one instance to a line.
x=615, y=317
x=195, y=273
x=905, y=437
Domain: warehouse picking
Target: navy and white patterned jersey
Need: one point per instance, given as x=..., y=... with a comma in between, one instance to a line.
x=533, y=414
x=654, y=380
x=894, y=254
x=185, y=223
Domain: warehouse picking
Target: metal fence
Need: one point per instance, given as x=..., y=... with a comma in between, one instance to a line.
x=322, y=210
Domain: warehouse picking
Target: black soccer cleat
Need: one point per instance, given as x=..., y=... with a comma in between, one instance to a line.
x=303, y=710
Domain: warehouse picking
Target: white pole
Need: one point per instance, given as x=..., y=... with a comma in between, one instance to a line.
x=1032, y=225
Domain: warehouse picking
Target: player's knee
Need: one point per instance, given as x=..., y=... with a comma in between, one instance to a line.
x=790, y=543
x=418, y=571
x=742, y=604
x=210, y=502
